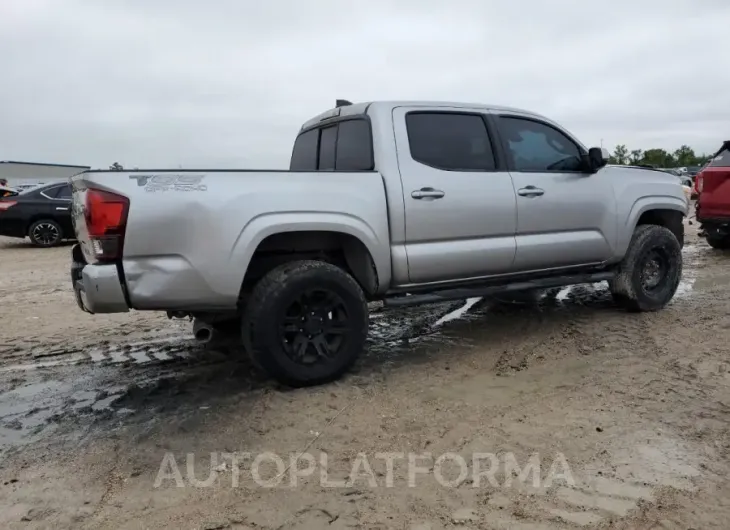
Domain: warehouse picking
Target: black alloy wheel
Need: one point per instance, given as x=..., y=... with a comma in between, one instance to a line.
x=45, y=233
x=315, y=326
x=305, y=322
x=654, y=270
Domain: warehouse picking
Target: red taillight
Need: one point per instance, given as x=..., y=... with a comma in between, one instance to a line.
x=106, y=221
x=698, y=180
x=4, y=205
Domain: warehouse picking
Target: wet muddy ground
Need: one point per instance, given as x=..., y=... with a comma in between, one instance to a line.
x=117, y=421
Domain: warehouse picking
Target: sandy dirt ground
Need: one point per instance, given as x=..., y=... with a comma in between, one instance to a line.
x=584, y=416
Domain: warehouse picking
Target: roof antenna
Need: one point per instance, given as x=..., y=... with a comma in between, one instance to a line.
x=342, y=103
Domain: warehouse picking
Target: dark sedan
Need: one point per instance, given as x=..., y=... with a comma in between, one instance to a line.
x=43, y=214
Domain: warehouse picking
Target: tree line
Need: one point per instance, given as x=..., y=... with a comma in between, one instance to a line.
x=682, y=157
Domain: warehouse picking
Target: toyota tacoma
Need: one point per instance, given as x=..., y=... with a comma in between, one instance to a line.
x=400, y=202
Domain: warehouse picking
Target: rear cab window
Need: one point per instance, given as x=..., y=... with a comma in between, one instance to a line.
x=304, y=155
x=346, y=145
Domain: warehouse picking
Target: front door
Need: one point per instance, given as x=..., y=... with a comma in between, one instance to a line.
x=565, y=216
x=459, y=204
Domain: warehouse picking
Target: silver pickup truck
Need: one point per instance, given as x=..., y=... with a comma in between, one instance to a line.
x=402, y=202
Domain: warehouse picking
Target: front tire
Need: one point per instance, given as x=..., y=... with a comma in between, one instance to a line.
x=305, y=323
x=45, y=233
x=651, y=270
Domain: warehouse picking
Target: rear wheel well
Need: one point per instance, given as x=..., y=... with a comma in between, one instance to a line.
x=671, y=219
x=344, y=250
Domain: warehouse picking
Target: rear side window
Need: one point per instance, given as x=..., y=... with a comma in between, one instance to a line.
x=450, y=141
x=721, y=160
x=304, y=154
x=354, y=147
x=64, y=192
x=52, y=192
x=327, y=146
x=345, y=146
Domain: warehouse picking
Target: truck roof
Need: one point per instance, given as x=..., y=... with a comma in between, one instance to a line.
x=388, y=106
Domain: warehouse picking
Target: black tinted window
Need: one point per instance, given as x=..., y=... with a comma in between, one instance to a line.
x=51, y=192
x=721, y=160
x=346, y=146
x=450, y=141
x=535, y=146
x=354, y=149
x=327, y=145
x=64, y=192
x=304, y=154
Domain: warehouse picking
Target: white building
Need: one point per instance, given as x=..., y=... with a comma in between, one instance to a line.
x=19, y=173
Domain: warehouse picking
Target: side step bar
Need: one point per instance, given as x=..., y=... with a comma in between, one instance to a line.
x=474, y=292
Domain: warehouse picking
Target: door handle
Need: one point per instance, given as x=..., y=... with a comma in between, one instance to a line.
x=530, y=191
x=427, y=194
x=61, y=209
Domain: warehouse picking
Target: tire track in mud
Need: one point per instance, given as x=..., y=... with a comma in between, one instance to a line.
x=595, y=323
x=390, y=332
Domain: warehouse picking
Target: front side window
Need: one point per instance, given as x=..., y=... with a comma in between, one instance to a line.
x=450, y=141
x=535, y=146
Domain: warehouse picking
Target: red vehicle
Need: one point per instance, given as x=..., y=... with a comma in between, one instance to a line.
x=713, y=201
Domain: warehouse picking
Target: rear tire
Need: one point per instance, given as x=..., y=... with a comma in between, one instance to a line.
x=45, y=233
x=305, y=323
x=719, y=243
x=651, y=270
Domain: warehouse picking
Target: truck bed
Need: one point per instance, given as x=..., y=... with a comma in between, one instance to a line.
x=190, y=234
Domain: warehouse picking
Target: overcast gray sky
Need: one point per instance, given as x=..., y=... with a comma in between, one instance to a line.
x=162, y=83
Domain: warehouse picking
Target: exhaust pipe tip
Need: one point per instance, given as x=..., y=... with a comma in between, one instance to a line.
x=202, y=332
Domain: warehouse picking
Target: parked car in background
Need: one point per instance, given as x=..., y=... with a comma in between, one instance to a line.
x=684, y=178
x=43, y=214
x=693, y=170
x=713, y=201
x=23, y=187
x=6, y=191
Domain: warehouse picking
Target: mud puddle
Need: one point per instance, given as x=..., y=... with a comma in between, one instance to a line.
x=34, y=409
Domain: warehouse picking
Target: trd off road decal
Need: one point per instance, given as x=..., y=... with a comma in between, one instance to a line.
x=170, y=182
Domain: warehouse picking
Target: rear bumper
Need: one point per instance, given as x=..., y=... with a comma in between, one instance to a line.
x=98, y=288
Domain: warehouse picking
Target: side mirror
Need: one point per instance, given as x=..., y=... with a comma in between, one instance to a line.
x=597, y=158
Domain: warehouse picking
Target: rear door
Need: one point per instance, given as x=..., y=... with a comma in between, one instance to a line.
x=459, y=199
x=565, y=216
x=713, y=185
x=61, y=208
